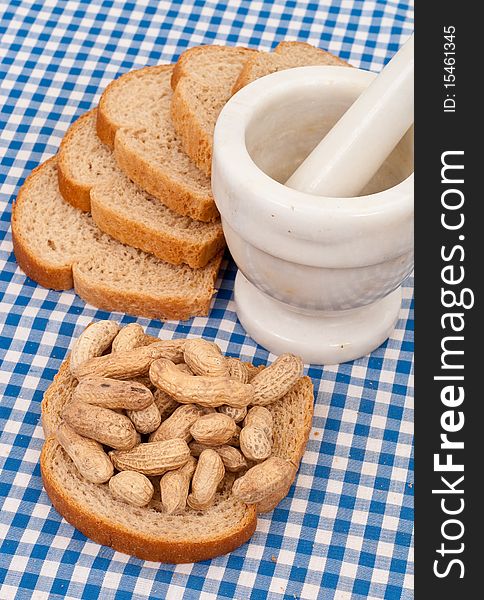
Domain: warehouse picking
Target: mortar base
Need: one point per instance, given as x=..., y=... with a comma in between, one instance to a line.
x=325, y=339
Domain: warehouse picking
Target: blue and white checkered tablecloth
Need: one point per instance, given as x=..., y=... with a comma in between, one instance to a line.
x=345, y=530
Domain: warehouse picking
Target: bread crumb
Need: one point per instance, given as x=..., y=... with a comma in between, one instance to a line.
x=273, y=558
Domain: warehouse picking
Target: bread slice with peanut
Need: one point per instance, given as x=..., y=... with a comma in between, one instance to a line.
x=200, y=427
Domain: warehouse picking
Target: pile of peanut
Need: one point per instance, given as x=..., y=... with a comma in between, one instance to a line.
x=176, y=414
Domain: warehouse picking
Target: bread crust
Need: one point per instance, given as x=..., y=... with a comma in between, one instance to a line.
x=196, y=142
x=105, y=129
x=130, y=541
x=77, y=194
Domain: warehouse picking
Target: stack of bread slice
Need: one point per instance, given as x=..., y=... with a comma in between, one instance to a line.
x=124, y=213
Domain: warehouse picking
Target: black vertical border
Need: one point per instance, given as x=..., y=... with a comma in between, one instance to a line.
x=437, y=131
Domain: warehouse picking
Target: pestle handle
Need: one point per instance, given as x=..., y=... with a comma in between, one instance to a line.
x=355, y=148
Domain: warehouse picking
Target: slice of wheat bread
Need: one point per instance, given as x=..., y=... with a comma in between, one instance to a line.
x=144, y=532
x=134, y=120
x=292, y=417
x=83, y=161
x=56, y=396
x=202, y=81
x=205, y=78
x=286, y=55
x=90, y=180
x=60, y=247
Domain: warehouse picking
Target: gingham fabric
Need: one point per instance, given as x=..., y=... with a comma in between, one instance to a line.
x=345, y=530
